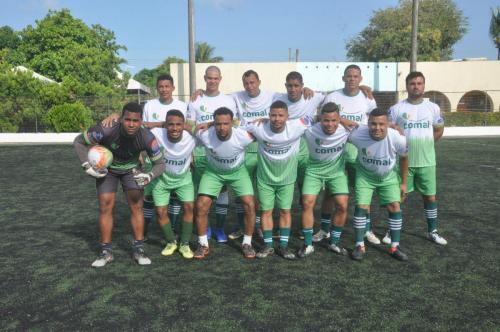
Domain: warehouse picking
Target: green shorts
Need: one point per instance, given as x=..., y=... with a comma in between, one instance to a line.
x=350, y=153
x=303, y=160
x=212, y=182
x=268, y=194
x=163, y=186
x=422, y=179
x=200, y=164
x=251, y=163
x=336, y=185
x=387, y=188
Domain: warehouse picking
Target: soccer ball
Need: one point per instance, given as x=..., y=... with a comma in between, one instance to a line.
x=100, y=157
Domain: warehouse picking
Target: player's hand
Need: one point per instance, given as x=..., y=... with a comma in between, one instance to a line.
x=404, y=194
x=196, y=94
x=367, y=91
x=308, y=93
x=260, y=121
x=108, y=121
x=202, y=126
x=142, y=179
x=96, y=173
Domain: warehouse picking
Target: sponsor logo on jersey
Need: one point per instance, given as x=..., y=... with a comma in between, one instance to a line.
x=367, y=158
x=422, y=124
x=208, y=117
x=275, y=149
x=243, y=105
x=174, y=162
x=155, y=116
x=254, y=115
x=332, y=149
x=227, y=161
x=353, y=117
x=114, y=146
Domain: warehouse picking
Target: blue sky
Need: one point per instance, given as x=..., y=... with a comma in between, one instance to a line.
x=241, y=30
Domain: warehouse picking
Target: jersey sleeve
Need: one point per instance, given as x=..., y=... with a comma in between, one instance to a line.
x=437, y=117
x=244, y=137
x=392, y=114
x=399, y=142
x=191, y=112
x=145, y=112
x=153, y=149
x=372, y=104
x=94, y=135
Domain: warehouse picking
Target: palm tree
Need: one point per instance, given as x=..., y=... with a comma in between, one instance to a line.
x=495, y=29
x=204, y=53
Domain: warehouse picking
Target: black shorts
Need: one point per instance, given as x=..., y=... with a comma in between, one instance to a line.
x=109, y=183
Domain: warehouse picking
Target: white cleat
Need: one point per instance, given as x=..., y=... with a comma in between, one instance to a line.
x=320, y=235
x=387, y=238
x=372, y=238
x=436, y=238
x=105, y=257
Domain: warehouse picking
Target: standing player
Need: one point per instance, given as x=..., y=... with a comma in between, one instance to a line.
x=279, y=141
x=326, y=141
x=354, y=105
x=423, y=125
x=201, y=110
x=178, y=146
x=225, y=150
x=126, y=139
x=378, y=150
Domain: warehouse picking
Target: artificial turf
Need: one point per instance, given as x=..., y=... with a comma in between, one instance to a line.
x=48, y=223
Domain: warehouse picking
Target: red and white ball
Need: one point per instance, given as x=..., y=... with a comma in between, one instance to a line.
x=100, y=157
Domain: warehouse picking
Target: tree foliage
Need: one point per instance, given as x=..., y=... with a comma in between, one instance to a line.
x=148, y=76
x=68, y=117
x=495, y=29
x=388, y=34
x=205, y=53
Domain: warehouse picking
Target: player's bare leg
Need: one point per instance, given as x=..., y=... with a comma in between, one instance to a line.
x=249, y=207
x=135, y=203
x=203, y=204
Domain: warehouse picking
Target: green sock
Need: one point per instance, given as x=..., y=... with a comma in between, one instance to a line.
x=431, y=213
x=268, y=238
x=359, y=225
x=240, y=213
x=168, y=232
x=257, y=220
x=395, y=225
x=368, y=223
x=308, y=236
x=284, y=236
x=335, y=234
x=187, y=229
x=325, y=222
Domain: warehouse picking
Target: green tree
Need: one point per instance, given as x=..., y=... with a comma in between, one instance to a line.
x=388, y=34
x=205, y=53
x=8, y=38
x=148, y=76
x=495, y=29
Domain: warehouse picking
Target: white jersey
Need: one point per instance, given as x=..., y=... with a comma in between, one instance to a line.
x=225, y=155
x=378, y=157
x=177, y=155
x=155, y=111
x=202, y=109
x=418, y=122
x=253, y=108
x=355, y=108
x=323, y=147
x=303, y=107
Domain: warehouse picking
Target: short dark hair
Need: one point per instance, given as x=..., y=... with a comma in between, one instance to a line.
x=132, y=107
x=295, y=75
x=351, y=67
x=279, y=104
x=413, y=75
x=223, y=111
x=175, y=113
x=379, y=112
x=330, y=108
x=213, y=68
x=165, y=77
x=249, y=73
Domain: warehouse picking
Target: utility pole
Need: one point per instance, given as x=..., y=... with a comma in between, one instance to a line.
x=289, y=54
x=296, y=55
x=414, y=32
x=192, y=65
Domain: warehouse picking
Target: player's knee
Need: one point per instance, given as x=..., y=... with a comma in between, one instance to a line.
x=308, y=202
x=203, y=204
x=188, y=208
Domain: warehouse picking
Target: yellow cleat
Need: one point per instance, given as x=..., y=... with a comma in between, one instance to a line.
x=169, y=249
x=185, y=251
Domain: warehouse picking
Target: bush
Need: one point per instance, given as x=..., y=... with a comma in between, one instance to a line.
x=471, y=119
x=68, y=117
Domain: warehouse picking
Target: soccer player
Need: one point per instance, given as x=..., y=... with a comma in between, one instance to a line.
x=326, y=141
x=279, y=141
x=225, y=151
x=201, y=111
x=354, y=105
x=178, y=145
x=379, y=148
x=423, y=125
x=126, y=139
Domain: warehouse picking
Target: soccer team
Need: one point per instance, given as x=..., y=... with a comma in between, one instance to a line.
x=271, y=142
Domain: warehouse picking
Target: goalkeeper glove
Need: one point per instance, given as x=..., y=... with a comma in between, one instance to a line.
x=142, y=179
x=96, y=173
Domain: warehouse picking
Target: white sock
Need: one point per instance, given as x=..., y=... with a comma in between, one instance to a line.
x=247, y=239
x=203, y=240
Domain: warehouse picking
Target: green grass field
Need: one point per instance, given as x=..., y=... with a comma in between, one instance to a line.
x=48, y=221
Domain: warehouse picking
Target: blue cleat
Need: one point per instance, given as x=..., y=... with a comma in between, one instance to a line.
x=209, y=232
x=220, y=235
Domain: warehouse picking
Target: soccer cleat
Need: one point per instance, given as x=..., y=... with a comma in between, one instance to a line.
x=358, y=253
x=105, y=257
x=436, y=238
x=372, y=238
x=201, y=252
x=398, y=254
x=305, y=251
x=185, y=251
x=337, y=249
x=320, y=235
x=220, y=235
x=387, y=238
x=286, y=253
x=169, y=249
x=209, y=232
x=140, y=257
x=236, y=234
x=248, y=251
x=266, y=251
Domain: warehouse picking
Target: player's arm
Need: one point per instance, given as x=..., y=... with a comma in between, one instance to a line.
x=110, y=120
x=196, y=94
x=151, y=125
x=403, y=168
x=348, y=124
x=155, y=154
x=367, y=91
x=438, y=133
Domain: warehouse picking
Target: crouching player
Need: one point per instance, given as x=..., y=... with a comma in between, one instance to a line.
x=126, y=139
x=225, y=150
x=178, y=147
x=326, y=141
x=378, y=149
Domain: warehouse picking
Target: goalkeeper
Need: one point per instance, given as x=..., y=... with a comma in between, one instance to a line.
x=125, y=139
